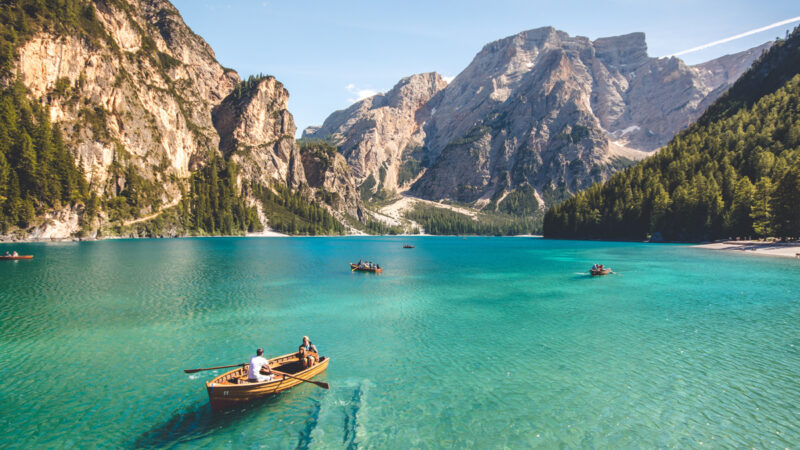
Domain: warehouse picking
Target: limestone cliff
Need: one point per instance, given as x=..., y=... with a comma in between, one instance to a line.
x=143, y=104
x=560, y=113
x=541, y=109
x=257, y=132
x=141, y=95
x=376, y=135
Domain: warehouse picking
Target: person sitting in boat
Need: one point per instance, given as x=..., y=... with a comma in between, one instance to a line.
x=308, y=353
x=15, y=253
x=7, y=254
x=259, y=369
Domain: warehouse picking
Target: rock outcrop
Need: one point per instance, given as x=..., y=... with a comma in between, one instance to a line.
x=540, y=108
x=374, y=133
x=327, y=171
x=257, y=132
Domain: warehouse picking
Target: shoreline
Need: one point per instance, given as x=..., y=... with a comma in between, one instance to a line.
x=269, y=234
x=757, y=248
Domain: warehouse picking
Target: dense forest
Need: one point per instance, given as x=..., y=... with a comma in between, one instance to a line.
x=215, y=206
x=444, y=221
x=292, y=213
x=735, y=173
x=37, y=171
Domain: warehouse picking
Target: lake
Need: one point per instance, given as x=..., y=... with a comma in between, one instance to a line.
x=477, y=342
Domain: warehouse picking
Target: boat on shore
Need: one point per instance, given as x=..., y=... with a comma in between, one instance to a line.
x=597, y=272
x=363, y=268
x=14, y=258
x=408, y=246
x=233, y=388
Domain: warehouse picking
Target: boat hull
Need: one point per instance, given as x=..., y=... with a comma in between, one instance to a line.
x=354, y=267
x=224, y=393
x=14, y=258
x=596, y=273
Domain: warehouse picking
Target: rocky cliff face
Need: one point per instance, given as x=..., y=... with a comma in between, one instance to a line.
x=376, y=135
x=327, y=171
x=544, y=109
x=257, y=132
x=141, y=96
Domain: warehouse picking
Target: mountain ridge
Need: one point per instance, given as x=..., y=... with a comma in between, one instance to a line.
x=543, y=109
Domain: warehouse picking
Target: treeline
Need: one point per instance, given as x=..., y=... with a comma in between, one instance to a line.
x=737, y=175
x=214, y=206
x=37, y=171
x=444, y=221
x=377, y=227
x=245, y=86
x=293, y=213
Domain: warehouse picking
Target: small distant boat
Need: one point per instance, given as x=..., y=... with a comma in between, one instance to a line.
x=408, y=246
x=232, y=388
x=13, y=258
x=597, y=272
x=356, y=268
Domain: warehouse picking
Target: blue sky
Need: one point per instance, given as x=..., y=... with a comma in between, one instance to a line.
x=329, y=53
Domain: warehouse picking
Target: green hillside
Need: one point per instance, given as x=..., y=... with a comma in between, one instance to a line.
x=735, y=173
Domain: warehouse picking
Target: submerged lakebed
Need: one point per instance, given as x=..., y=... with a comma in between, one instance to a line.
x=476, y=342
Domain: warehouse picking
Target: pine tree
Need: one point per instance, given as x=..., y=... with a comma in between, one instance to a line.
x=785, y=205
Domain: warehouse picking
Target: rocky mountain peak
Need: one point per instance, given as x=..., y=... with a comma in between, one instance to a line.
x=541, y=109
x=624, y=53
x=373, y=133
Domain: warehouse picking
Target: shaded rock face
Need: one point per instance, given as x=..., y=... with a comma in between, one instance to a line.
x=540, y=108
x=257, y=132
x=373, y=133
x=332, y=174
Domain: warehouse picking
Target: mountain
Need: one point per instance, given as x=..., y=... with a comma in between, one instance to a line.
x=539, y=112
x=376, y=133
x=166, y=140
x=735, y=172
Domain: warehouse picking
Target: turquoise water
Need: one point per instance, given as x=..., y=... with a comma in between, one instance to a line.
x=477, y=342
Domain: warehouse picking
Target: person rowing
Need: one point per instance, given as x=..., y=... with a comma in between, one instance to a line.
x=259, y=369
x=308, y=353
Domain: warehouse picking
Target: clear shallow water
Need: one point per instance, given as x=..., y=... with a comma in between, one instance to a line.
x=483, y=342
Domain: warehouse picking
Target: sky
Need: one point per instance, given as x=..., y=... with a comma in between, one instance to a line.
x=329, y=54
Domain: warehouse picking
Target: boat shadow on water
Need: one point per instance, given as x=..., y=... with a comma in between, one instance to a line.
x=337, y=411
x=198, y=422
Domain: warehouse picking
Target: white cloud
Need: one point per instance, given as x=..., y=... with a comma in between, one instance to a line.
x=360, y=94
x=741, y=35
x=447, y=79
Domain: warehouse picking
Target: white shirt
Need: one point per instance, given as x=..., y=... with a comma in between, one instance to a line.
x=256, y=363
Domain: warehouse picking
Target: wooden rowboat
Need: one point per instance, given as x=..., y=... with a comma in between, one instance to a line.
x=408, y=246
x=232, y=388
x=13, y=258
x=596, y=272
x=356, y=268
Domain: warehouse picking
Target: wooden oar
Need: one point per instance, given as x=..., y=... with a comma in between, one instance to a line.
x=212, y=368
x=318, y=383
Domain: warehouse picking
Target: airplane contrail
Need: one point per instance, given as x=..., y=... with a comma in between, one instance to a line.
x=746, y=33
